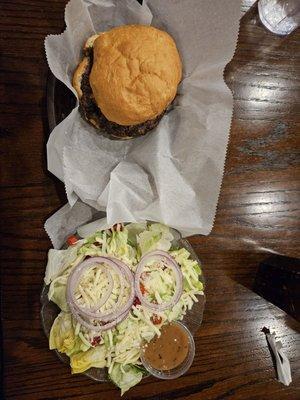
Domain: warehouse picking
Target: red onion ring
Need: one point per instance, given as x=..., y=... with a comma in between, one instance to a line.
x=74, y=278
x=99, y=328
x=119, y=265
x=162, y=256
x=94, y=312
x=122, y=270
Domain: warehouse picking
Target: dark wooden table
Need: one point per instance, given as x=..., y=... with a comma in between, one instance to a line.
x=258, y=214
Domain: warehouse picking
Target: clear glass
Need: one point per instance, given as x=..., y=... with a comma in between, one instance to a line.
x=192, y=320
x=182, y=368
x=280, y=16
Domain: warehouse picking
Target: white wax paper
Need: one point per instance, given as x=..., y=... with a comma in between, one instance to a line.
x=173, y=174
x=283, y=366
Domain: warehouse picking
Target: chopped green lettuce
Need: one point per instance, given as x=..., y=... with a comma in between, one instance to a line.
x=157, y=237
x=62, y=336
x=94, y=357
x=57, y=292
x=134, y=229
x=125, y=376
x=57, y=260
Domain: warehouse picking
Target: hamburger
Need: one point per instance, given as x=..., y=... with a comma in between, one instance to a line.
x=127, y=79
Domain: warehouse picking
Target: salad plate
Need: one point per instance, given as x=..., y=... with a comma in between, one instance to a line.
x=180, y=249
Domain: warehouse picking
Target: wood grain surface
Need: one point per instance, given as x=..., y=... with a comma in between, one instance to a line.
x=258, y=214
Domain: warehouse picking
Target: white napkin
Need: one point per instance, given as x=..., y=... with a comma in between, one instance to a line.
x=172, y=175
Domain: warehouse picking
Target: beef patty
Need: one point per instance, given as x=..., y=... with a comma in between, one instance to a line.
x=92, y=113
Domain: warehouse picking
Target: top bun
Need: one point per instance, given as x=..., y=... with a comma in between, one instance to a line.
x=135, y=73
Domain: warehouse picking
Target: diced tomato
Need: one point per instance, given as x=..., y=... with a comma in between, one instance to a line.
x=156, y=319
x=96, y=340
x=136, y=301
x=72, y=240
x=142, y=288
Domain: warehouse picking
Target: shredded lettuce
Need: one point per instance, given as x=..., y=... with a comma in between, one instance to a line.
x=110, y=243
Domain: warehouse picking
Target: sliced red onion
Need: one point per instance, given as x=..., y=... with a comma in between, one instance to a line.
x=170, y=262
x=95, y=312
x=129, y=281
x=98, y=328
x=110, y=317
x=74, y=279
x=112, y=324
x=110, y=313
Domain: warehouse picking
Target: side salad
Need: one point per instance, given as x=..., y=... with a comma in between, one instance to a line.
x=89, y=343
